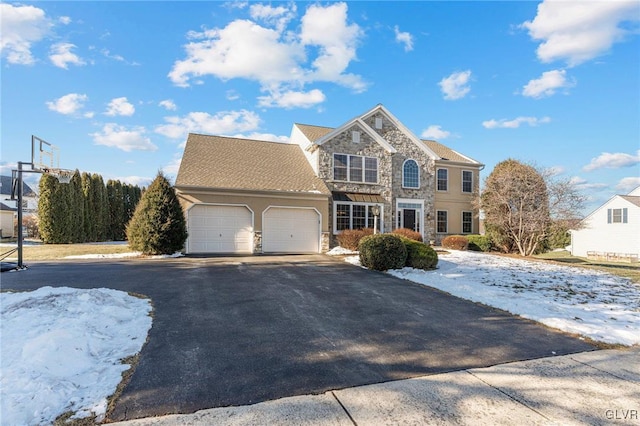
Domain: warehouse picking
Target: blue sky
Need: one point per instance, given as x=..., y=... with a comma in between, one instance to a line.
x=117, y=86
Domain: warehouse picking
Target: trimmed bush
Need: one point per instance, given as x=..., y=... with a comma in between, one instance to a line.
x=381, y=252
x=408, y=233
x=455, y=242
x=420, y=255
x=158, y=225
x=350, y=238
x=479, y=242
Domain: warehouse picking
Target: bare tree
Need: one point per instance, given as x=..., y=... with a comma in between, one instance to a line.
x=515, y=202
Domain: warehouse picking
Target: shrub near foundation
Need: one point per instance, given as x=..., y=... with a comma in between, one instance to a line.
x=350, y=238
x=408, y=233
x=420, y=255
x=479, y=242
x=381, y=252
x=455, y=242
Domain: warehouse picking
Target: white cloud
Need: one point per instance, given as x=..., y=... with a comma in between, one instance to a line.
x=628, y=184
x=140, y=181
x=120, y=106
x=547, y=84
x=515, y=123
x=584, y=185
x=577, y=31
x=276, y=16
x=222, y=123
x=232, y=95
x=269, y=137
x=64, y=20
x=120, y=137
x=277, y=58
x=22, y=26
x=404, y=38
x=68, y=104
x=61, y=55
x=172, y=168
x=168, y=104
x=292, y=99
x=608, y=160
x=456, y=86
x=556, y=170
x=435, y=132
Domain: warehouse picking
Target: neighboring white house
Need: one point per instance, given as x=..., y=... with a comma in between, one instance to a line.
x=613, y=228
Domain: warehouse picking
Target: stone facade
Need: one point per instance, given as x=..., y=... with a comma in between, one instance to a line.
x=390, y=170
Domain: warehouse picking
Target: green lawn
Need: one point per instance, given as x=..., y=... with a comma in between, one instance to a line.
x=627, y=270
x=60, y=251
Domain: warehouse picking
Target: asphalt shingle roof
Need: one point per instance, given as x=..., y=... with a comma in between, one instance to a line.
x=5, y=187
x=244, y=164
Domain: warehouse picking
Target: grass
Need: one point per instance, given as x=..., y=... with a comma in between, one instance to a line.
x=36, y=251
x=626, y=270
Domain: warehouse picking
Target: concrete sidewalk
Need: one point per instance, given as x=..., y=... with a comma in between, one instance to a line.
x=588, y=388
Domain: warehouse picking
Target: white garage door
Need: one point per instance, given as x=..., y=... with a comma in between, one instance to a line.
x=220, y=229
x=291, y=230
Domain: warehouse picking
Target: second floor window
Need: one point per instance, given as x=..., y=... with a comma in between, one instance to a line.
x=355, y=168
x=410, y=174
x=617, y=216
x=467, y=181
x=443, y=179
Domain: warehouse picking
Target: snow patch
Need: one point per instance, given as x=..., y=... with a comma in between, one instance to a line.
x=62, y=350
x=339, y=251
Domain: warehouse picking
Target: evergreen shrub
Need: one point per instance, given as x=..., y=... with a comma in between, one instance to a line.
x=420, y=255
x=158, y=225
x=381, y=252
x=479, y=242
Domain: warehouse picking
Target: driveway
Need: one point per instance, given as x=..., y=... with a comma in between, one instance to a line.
x=240, y=330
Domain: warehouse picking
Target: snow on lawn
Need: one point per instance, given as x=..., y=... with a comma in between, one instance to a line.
x=62, y=349
x=595, y=304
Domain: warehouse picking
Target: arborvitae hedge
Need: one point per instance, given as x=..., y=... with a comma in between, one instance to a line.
x=80, y=211
x=158, y=225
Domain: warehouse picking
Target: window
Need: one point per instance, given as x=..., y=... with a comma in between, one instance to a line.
x=441, y=225
x=340, y=167
x=617, y=215
x=355, y=168
x=355, y=216
x=355, y=136
x=370, y=170
x=467, y=181
x=467, y=222
x=443, y=179
x=378, y=123
x=410, y=174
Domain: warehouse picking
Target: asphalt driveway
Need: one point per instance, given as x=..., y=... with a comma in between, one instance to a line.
x=240, y=330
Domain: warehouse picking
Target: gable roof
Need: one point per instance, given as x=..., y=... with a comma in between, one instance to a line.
x=5, y=207
x=368, y=130
x=218, y=162
x=446, y=153
x=313, y=133
x=5, y=187
x=635, y=200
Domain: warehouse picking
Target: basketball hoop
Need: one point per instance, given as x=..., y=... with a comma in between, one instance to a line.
x=63, y=175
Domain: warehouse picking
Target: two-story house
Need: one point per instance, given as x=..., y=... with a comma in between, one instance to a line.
x=331, y=178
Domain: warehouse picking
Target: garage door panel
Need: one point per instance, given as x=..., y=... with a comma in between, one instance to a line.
x=220, y=229
x=291, y=230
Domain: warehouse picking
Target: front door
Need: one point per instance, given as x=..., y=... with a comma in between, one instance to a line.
x=409, y=219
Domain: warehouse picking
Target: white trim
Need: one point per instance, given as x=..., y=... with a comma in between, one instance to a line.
x=334, y=228
x=364, y=169
x=319, y=248
x=447, y=170
x=462, y=181
x=368, y=130
x=416, y=163
x=253, y=223
x=447, y=230
x=462, y=221
x=402, y=128
x=399, y=220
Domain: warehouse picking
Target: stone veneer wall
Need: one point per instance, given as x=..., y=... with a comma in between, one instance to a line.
x=389, y=184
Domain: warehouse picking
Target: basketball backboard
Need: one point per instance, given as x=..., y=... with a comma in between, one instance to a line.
x=45, y=156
